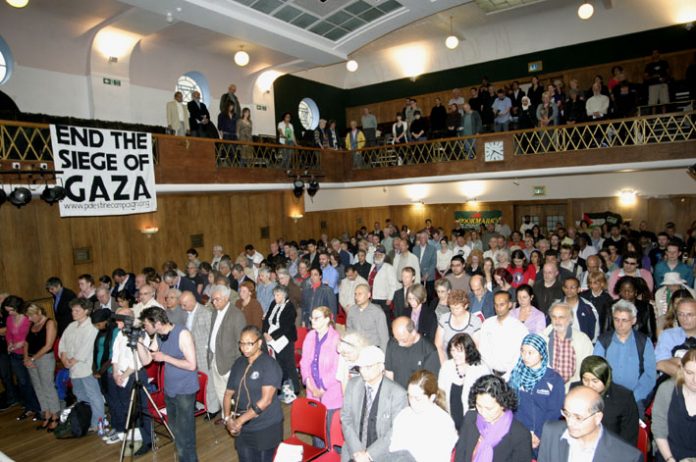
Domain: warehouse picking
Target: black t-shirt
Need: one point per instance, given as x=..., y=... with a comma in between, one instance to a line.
x=3, y=324
x=265, y=371
x=657, y=71
x=404, y=361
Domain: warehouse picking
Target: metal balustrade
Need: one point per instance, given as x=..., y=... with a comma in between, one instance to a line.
x=239, y=154
x=421, y=152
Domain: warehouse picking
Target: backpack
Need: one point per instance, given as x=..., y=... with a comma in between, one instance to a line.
x=640, y=338
x=74, y=421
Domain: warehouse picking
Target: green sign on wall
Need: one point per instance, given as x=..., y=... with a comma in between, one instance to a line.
x=478, y=218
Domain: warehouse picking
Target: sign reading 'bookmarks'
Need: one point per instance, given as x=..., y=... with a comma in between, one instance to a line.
x=484, y=217
x=104, y=172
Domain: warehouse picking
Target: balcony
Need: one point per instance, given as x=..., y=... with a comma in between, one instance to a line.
x=665, y=139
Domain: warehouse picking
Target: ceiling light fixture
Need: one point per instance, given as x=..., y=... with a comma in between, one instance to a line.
x=451, y=41
x=586, y=10
x=352, y=65
x=241, y=58
x=18, y=3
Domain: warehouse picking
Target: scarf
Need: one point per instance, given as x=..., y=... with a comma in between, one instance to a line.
x=491, y=435
x=524, y=377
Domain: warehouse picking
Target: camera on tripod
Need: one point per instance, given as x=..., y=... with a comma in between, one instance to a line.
x=132, y=333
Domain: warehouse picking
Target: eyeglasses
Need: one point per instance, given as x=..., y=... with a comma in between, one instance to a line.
x=621, y=320
x=574, y=417
x=683, y=315
x=248, y=344
x=216, y=299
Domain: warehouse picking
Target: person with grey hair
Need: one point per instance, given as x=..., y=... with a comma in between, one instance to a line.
x=280, y=332
x=630, y=353
x=174, y=312
x=264, y=289
x=218, y=252
x=226, y=324
x=294, y=292
x=581, y=436
x=567, y=345
x=105, y=300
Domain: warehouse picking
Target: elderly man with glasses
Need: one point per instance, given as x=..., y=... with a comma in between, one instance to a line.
x=667, y=361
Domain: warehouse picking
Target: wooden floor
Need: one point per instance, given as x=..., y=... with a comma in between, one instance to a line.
x=21, y=442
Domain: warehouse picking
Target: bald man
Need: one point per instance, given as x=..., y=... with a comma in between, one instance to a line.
x=581, y=436
x=408, y=352
x=198, y=319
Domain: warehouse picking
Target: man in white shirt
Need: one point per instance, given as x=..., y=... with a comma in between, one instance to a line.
x=177, y=115
x=406, y=258
x=501, y=337
x=597, y=105
x=147, y=300
x=217, y=256
x=346, y=290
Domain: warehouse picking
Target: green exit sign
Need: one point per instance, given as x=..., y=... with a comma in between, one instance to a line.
x=539, y=190
x=109, y=81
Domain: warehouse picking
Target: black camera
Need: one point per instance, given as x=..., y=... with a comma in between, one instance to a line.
x=132, y=333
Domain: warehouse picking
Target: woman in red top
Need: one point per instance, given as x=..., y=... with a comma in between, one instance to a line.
x=521, y=271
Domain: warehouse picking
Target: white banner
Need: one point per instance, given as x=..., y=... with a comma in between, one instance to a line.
x=105, y=172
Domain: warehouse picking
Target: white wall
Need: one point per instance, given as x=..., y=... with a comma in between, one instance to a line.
x=646, y=184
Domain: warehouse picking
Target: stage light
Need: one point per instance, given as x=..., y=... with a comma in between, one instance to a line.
x=313, y=188
x=53, y=194
x=298, y=187
x=20, y=197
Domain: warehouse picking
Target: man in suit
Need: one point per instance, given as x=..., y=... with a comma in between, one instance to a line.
x=198, y=322
x=123, y=281
x=370, y=404
x=61, y=299
x=177, y=116
x=237, y=276
x=174, y=281
x=427, y=257
x=226, y=327
x=581, y=436
x=105, y=300
x=199, y=117
x=231, y=97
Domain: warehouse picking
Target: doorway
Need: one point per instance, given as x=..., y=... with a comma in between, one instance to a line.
x=547, y=216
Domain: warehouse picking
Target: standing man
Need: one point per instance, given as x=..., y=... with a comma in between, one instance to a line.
x=177, y=116
x=581, y=437
x=382, y=282
x=346, y=290
x=501, y=108
x=427, y=258
x=585, y=315
x=174, y=348
x=673, y=264
x=61, y=302
x=104, y=300
x=199, y=117
x=217, y=256
x=226, y=322
x=404, y=259
x=656, y=77
x=123, y=281
x=231, y=97
x=367, y=319
x=198, y=322
x=371, y=403
x=369, y=127
x=409, y=352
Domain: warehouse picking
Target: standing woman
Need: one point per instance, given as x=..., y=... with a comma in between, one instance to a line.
x=248, y=304
x=533, y=319
x=41, y=364
x=444, y=257
x=319, y=361
x=540, y=389
x=521, y=271
x=281, y=334
x=674, y=413
x=473, y=262
x=487, y=269
x=440, y=305
x=227, y=123
x=457, y=321
x=244, y=133
x=256, y=418
x=503, y=281
x=17, y=330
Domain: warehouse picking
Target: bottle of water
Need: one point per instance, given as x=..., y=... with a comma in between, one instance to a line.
x=107, y=425
x=100, y=427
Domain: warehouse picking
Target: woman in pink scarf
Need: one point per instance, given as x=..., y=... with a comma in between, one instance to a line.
x=490, y=433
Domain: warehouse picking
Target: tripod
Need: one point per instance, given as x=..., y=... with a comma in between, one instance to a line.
x=134, y=412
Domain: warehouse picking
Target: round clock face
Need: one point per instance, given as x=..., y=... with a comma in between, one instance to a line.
x=308, y=113
x=493, y=151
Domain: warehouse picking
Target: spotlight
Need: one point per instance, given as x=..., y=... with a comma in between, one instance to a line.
x=20, y=197
x=3, y=196
x=298, y=187
x=51, y=195
x=313, y=188
x=586, y=10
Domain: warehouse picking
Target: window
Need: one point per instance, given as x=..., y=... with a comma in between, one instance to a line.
x=308, y=113
x=552, y=221
x=190, y=82
x=5, y=62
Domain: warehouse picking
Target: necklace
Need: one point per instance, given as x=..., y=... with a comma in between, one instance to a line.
x=459, y=373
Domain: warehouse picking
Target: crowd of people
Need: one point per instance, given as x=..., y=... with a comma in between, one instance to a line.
x=500, y=344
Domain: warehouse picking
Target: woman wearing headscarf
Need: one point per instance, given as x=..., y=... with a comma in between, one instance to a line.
x=540, y=389
x=620, y=409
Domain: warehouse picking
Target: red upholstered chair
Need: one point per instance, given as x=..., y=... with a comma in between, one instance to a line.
x=301, y=334
x=308, y=416
x=201, y=396
x=335, y=440
x=643, y=439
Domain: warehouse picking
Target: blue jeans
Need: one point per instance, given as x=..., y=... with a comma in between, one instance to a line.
x=249, y=454
x=26, y=389
x=121, y=399
x=6, y=378
x=180, y=409
x=87, y=389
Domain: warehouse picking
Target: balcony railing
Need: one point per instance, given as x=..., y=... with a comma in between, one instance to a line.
x=237, y=154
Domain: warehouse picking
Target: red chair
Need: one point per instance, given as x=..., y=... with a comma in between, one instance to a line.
x=335, y=440
x=154, y=372
x=201, y=395
x=158, y=398
x=308, y=417
x=643, y=440
x=301, y=334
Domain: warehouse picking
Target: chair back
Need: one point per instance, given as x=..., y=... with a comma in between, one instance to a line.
x=301, y=334
x=308, y=416
x=336, y=432
x=201, y=395
x=643, y=441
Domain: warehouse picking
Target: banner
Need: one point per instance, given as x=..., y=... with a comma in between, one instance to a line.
x=599, y=218
x=478, y=218
x=104, y=172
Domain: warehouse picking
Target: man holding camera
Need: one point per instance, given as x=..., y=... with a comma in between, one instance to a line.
x=125, y=366
x=174, y=347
